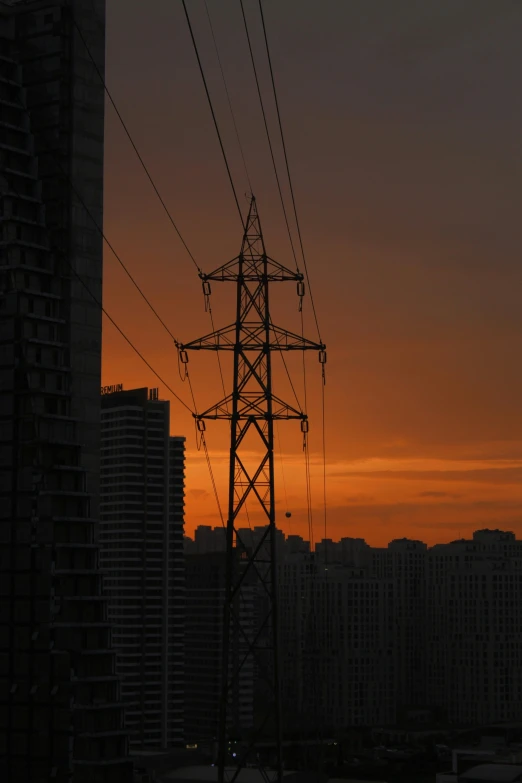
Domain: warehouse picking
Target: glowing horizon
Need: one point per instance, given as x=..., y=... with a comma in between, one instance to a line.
x=407, y=190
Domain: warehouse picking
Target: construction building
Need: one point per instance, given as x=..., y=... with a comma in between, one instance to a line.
x=141, y=541
x=59, y=692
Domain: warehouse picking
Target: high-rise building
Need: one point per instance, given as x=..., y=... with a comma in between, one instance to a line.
x=375, y=636
x=336, y=642
x=404, y=563
x=474, y=628
x=205, y=592
x=59, y=693
x=208, y=539
x=141, y=541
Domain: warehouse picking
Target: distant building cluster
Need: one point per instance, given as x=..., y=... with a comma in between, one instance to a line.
x=369, y=635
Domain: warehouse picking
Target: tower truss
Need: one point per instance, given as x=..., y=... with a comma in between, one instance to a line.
x=251, y=408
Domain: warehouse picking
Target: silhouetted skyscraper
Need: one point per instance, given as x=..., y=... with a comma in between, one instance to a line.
x=205, y=584
x=474, y=628
x=141, y=540
x=59, y=691
x=404, y=563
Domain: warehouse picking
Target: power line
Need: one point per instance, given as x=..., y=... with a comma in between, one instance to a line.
x=323, y=405
x=127, y=339
x=288, y=167
x=117, y=256
x=228, y=97
x=282, y=465
x=125, y=128
x=286, y=368
x=213, y=480
x=205, y=448
x=245, y=164
x=268, y=133
x=124, y=125
x=93, y=296
x=212, y=112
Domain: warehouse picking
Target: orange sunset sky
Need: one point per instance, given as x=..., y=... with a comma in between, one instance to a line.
x=403, y=123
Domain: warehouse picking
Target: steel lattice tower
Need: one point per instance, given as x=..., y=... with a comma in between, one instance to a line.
x=251, y=409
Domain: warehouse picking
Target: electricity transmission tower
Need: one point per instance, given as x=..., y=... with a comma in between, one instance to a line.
x=251, y=408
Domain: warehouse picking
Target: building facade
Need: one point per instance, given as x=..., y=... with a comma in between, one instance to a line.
x=336, y=647
x=383, y=636
x=141, y=542
x=205, y=599
x=59, y=694
x=474, y=628
x=403, y=562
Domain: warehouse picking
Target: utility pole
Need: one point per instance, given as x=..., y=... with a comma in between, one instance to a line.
x=251, y=408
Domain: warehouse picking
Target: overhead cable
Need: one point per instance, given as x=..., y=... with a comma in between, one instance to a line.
x=268, y=134
x=127, y=339
x=228, y=97
x=93, y=295
x=119, y=259
x=288, y=168
x=209, y=99
x=140, y=158
x=323, y=405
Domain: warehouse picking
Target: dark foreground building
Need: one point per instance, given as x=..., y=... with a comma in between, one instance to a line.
x=61, y=718
x=205, y=597
x=141, y=544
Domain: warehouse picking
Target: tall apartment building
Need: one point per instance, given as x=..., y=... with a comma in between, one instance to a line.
x=205, y=600
x=336, y=641
x=59, y=698
x=208, y=539
x=141, y=542
x=368, y=635
x=474, y=628
x=404, y=563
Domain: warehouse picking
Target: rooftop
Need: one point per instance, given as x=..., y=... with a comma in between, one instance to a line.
x=507, y=773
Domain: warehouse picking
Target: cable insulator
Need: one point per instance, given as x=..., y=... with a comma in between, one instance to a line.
x=304, y=425
x=322, y=357
x=300, y=294
x=201, y=425
x=183, y=356
x=206, y=288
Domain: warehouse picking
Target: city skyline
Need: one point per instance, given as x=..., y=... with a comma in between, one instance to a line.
x=277, y=532
x=407, y=194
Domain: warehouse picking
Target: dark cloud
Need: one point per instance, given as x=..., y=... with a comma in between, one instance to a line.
x=199, y=494
x=438, y=495
x=429, y=30
x=360, y=498
x=480, y=476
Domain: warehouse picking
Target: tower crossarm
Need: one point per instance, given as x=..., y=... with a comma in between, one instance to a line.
x=250, y=268
x=252, y=406
x=252, y=338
